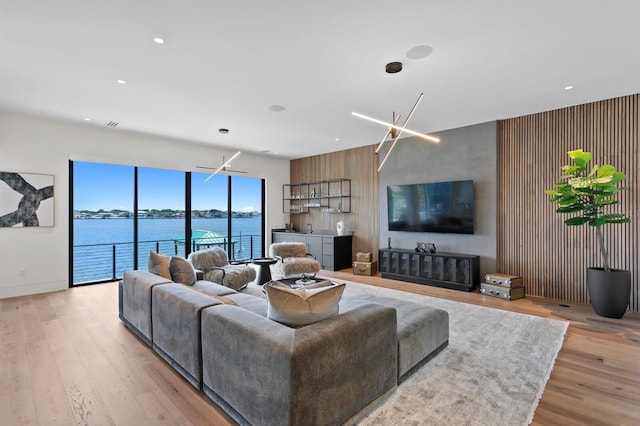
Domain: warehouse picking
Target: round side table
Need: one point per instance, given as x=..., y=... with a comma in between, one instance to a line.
x=264, y=272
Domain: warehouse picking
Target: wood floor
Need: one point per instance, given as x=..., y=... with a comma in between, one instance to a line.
x=65, y=358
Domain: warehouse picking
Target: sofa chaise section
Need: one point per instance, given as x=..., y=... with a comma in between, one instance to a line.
x=265, y=373
x=423, y=331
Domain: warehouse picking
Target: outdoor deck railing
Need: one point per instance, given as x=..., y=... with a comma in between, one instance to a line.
x=108, y=261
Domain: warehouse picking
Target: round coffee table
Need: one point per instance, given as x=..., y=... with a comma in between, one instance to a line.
x=264, y=272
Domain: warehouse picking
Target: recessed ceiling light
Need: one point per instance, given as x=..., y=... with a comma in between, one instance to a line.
x=275, y=108
x=122, y=82
x=337, y=139
x=158, y=40
x=568, y=88
x=87, y=119
x=419, y=52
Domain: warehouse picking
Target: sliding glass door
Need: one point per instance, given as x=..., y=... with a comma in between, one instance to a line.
x=209, y=213
x=102, y=221
x=161, y=213
x=121, y=213
x=246, y=220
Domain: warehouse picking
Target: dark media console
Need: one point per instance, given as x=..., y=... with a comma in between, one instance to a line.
x=449, y=270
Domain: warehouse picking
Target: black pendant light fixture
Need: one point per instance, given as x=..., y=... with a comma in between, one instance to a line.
x=393, y=129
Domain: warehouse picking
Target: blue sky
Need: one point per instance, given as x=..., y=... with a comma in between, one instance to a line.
x=106, y=186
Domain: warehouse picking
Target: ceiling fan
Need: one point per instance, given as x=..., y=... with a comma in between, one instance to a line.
x=223, y=168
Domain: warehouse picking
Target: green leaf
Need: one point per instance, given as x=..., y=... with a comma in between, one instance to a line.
x=570, y=209
x=568, y=201
x=618, y=176
x=606, y=170
x=570, y=171
x=580, y=155
x=603, y=179
x=551, y=192
x=597, y=221
x=594, y=170
x=580, y=182
x=576, y=221
x=605, y=201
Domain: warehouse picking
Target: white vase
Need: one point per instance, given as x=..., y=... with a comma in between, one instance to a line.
x=340, y=228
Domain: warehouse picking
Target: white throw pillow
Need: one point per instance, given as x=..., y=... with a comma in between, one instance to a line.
x=303, y=306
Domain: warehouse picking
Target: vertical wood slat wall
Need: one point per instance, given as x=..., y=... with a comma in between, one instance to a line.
x=533, y=241
x=359, y=165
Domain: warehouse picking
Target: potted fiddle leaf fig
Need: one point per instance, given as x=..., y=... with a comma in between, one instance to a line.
x=588, y=195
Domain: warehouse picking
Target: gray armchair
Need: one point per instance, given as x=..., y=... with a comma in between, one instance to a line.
x=293, y=259
x=216, y=268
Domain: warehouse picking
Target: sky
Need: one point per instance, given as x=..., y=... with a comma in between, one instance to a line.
x=106, y=186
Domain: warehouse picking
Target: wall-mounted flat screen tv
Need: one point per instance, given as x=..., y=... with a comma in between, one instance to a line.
x=445, y=207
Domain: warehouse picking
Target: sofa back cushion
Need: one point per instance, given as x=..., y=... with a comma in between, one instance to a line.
x=302, y=306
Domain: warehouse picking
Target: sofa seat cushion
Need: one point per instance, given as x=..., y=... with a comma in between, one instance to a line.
x=250, y=303
x=213, y=289
x=302, y=306
x=422, y=330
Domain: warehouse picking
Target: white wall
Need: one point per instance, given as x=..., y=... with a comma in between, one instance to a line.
x=35, y=260
x=463, y=153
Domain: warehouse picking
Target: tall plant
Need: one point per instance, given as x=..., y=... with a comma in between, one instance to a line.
x=587, y=194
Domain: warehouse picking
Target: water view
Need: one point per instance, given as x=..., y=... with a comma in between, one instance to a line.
x=95, y=241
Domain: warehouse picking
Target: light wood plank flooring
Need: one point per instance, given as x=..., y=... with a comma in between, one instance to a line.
x=65, y=358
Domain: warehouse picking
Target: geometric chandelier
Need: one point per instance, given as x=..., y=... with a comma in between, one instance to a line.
x=393, y=129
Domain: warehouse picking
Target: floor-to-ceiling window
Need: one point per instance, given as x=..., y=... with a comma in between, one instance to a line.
x=246, y=220
x=209, y=213
x=161, y=213
x=102, y=221
x=119, y=211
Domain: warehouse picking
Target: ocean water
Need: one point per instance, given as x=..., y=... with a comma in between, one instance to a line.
x=97, y=242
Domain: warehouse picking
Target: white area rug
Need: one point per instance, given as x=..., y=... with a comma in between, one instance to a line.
x=492, y=373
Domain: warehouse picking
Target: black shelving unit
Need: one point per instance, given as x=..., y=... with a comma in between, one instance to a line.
x=331, y=196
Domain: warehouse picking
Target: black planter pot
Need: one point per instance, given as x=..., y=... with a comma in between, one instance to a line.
x=609, y=291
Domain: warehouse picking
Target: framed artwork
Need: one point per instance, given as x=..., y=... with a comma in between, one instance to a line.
x=26, y=199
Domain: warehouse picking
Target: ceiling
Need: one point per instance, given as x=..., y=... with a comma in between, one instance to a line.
x=224, y=63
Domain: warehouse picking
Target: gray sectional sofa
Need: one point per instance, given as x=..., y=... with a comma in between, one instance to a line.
x=262, y=372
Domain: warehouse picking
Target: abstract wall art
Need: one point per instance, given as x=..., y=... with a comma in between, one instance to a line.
x=26, y=199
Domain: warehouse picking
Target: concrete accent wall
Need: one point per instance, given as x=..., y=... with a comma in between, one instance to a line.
x=35, y=260
x=463, y=153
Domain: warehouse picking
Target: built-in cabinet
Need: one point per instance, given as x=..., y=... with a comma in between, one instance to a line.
x=450, y=270
x=331, y=196
x=332, y=251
